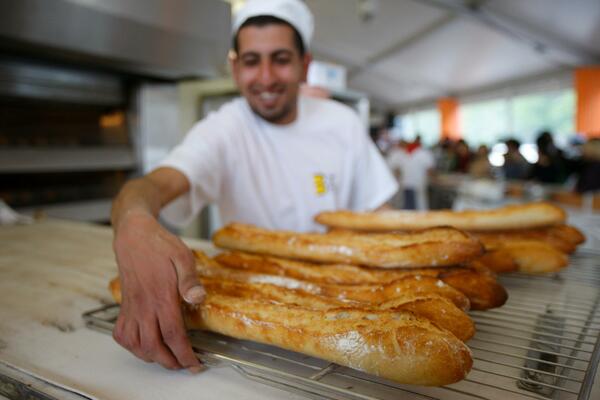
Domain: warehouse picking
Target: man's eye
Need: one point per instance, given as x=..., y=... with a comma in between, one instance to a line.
x=282, y=60
x=249, y=62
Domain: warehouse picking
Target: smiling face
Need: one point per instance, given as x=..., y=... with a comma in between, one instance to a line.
x=268, y=70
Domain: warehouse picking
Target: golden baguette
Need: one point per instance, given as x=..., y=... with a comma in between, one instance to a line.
x=391, y=344
x=434, y=247
x=439, y=310
x=531, y=256
x=483, y=290
x=373, y=294
x=564, y=238
x=395, y=345
x=498, y=261
x=530, y=215
x=568, y=233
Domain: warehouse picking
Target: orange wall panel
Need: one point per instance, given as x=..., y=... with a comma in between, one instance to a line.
x=587, y=89
x=448, y=108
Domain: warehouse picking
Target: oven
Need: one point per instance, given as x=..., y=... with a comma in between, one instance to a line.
x=76, y=80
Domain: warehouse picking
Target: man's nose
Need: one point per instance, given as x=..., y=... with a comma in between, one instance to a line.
x=266, y=73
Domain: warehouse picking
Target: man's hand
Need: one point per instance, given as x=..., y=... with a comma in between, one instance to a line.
x=156, y=270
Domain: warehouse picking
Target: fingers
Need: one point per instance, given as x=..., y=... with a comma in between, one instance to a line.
x=189, y=287
x=153, y=347
x=143, y=342
x=156, y=333
x=126, y=334
x=175, y=338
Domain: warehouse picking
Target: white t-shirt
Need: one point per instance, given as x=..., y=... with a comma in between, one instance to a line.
x=413, y=166
x=279, y=176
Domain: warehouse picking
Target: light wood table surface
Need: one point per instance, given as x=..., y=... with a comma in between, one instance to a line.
x=53, y=271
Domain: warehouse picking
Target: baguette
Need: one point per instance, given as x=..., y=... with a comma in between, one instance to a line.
x=568, y=233
x=434, y=247
x=564, y=238
x=368, y=294
x=530, y=215
x=481, y=288
x=497, y=260
x=439, y=310
x=531, y=256
x=392, y=344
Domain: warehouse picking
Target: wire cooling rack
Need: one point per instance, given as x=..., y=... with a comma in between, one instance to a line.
x=542, y=344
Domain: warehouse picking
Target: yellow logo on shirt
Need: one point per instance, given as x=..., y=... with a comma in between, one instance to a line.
x=320, y=184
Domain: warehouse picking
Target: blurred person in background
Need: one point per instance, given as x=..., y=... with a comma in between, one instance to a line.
x=412, y=164
x=551, y=165
x=270, y=158
x=589, y=173
x=515, y=165
x=463, y=157
x=445, y=158
x=480, y=166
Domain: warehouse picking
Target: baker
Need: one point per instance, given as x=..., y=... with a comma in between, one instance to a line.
x=271, y=158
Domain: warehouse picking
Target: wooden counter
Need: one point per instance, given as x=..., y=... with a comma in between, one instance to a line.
x=50, y=273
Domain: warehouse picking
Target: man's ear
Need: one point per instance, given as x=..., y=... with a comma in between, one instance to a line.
x=234, y=61
x=306, y=59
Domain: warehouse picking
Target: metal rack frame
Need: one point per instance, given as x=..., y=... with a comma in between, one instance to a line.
x=542, y=344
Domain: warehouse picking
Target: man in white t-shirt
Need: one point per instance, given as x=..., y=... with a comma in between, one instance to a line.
x=271, y=158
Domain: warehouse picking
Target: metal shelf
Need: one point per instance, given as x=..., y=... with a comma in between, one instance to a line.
x=76, y=159
x=90, y=210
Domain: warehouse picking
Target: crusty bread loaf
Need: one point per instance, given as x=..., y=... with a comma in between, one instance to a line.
x=531, y=256
x=433, y=247
x=530, y=215
x=395, y=345
x=481, y=288
x=368, y=293
x=564, y=238
x=437, y=309
x=371, y=294
x=497, y=260
x=568, y=233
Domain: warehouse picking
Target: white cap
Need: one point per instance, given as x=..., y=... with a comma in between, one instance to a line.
x=294, y=12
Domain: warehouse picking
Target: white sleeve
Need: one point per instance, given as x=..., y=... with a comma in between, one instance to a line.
x=200, y=157
x=373, y=184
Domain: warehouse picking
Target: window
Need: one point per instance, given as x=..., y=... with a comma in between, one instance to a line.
x=425, y=123
x=553, y=111
x=522, y=117
x=484, y=123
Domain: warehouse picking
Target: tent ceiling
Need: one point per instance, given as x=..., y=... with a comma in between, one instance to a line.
x=414, y=51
